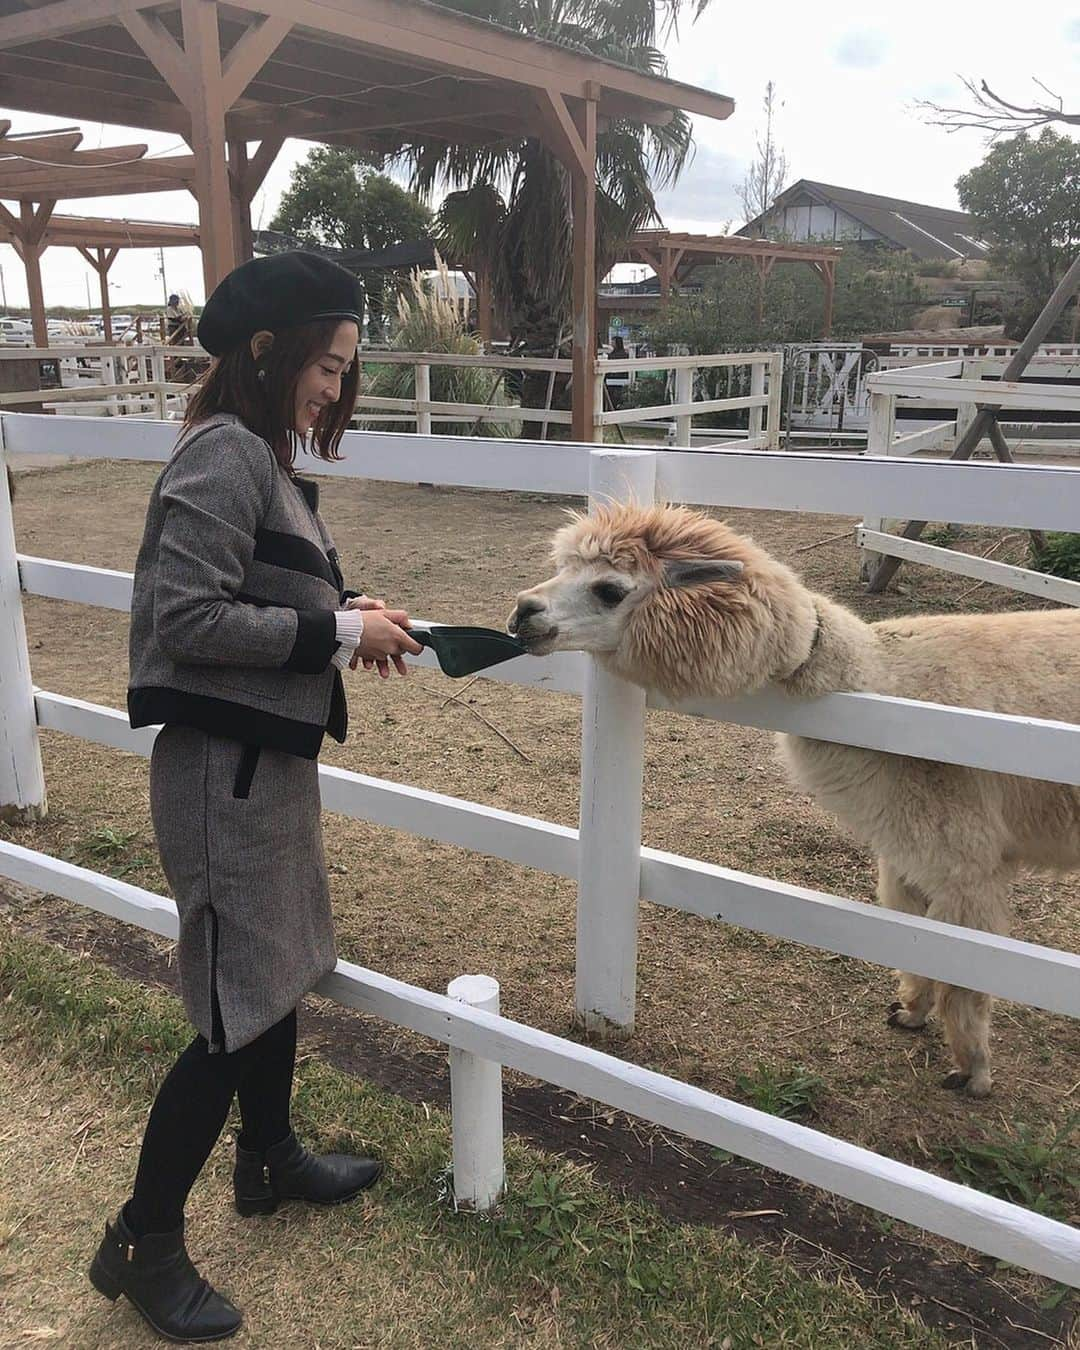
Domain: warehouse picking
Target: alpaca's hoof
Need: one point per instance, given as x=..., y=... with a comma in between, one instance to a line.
x=955, y=1081
x=979, y=1085
x=899, y=1016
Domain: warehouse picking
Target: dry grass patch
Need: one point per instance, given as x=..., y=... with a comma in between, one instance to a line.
x=564, y=1263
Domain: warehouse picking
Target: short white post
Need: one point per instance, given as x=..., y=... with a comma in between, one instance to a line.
x=757, y=390
x=423, y=397
x=879, y=438
x=612, y=767
x=684, y=393
x=599, y=374
x=776, y=389
x=157, y=367
x=108, y=377
x=22, y=778
x=476, y=1107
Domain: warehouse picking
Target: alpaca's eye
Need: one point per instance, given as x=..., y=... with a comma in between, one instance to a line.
x=609, y=593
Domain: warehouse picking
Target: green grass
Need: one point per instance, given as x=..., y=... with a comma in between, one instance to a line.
x=1040, y=1170
x=1060, y=557
x=607, y=1271
x=792, y=1095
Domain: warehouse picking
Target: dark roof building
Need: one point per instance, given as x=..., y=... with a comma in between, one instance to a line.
x=819, y=211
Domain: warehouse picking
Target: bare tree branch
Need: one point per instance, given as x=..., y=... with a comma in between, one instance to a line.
x=997, y=116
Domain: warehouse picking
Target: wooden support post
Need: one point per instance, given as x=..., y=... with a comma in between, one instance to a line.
x=612, y=767
x=101, y=259
x=583, y=351
x=240, y=202
x=828, y=275
x=1066, y=288
x=32, y=226
x=476, y=1107
x=22, y=778
x=485, y=316
x=202, y=49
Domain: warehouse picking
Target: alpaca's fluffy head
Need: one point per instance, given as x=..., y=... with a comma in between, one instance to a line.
x=668, y=597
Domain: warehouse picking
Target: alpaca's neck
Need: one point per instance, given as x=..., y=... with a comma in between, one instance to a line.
x=841, y=652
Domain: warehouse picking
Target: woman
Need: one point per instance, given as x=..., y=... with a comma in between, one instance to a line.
x=239, y=630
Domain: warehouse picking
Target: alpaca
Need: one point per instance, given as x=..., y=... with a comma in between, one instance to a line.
x=671, y=599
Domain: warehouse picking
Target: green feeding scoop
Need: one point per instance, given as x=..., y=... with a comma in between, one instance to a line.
x=463, y=651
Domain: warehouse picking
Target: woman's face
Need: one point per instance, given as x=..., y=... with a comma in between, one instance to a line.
x=320, y=381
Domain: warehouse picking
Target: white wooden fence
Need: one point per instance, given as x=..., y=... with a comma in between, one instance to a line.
x=606, y=853
x=132, y=381
x=961, y=383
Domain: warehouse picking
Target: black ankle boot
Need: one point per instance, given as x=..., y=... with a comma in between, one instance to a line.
x=262, y=1180
x=155, y=1274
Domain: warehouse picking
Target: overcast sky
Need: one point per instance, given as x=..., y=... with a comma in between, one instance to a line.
x=847, y=76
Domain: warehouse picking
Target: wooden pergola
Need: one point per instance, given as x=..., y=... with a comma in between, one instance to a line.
x=40, y=169
x=99, y=242
x=674, y=256
x=372, y=74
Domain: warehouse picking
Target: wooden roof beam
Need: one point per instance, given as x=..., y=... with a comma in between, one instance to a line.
x=60, y=17
x=60, y=98
x=446, y=40
x=388, y=115
x=250, y=53
x=114, y=155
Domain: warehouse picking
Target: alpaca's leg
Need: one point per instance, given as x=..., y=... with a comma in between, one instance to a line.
x=966, y=1019
x=916, y=992
x=965, y=1014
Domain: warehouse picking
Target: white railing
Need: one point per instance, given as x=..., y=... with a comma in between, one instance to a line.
x=94, y=377
x=829, y=390
x=961, y=383
x=606, y=854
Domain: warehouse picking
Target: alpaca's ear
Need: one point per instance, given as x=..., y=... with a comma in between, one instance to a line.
x=700, y=571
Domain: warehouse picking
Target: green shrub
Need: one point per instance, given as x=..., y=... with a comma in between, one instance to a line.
x=1060, y=557
x=434, y=320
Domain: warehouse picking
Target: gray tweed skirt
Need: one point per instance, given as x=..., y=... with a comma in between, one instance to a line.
x=240, y=837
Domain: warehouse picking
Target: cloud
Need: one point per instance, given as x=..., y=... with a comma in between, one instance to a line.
x=861, y=50
x=707, y=190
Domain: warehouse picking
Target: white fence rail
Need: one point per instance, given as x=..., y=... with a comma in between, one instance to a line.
x=609, y=886
x=961, y=383
x=1003, y=1230
x=955, y=1211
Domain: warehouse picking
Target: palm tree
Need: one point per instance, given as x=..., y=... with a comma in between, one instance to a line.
x=510, y=218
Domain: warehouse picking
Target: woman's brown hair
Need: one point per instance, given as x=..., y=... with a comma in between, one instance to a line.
x=262, y=392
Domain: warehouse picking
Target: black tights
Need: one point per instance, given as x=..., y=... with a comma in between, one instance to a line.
x=189, y=1113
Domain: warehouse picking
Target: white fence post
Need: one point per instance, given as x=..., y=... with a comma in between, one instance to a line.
x=684, y=393
x=776, y=389
x=612, y=766
x=423, y=395
x=879, y=438
x=757, y=389
x=22, y=778
x=476, y=1107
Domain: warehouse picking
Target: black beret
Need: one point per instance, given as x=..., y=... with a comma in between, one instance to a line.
x=280, y=291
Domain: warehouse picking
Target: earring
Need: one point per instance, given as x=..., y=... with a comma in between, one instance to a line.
x=260, y=375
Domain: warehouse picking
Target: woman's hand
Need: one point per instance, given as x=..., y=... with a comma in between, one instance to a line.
x=364, y=602
x=385, y=640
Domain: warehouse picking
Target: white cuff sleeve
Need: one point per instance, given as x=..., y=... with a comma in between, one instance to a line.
x=350, y=630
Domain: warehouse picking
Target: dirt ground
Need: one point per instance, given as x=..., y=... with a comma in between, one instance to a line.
x=714, y=1001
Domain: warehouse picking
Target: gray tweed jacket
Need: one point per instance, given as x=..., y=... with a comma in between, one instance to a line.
x=236, y=583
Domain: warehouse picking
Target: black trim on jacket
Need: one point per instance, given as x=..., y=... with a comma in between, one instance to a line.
x=315, y=643
x=150, y=705
x=294, y=553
